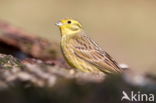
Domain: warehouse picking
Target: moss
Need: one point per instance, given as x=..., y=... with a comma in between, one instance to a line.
x=9, y=62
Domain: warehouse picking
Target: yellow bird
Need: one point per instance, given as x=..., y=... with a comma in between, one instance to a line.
x=82, y=52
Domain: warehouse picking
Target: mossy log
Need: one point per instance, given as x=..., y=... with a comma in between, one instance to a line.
x=37, y=73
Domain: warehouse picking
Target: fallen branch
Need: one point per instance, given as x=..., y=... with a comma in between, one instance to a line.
x=27, y=43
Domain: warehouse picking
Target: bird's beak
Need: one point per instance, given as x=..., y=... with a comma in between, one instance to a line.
x=59, y=23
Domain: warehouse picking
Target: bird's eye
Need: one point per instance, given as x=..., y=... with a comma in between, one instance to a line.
x=69, y=22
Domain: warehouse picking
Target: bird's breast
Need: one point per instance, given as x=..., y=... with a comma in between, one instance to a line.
x=66, y=46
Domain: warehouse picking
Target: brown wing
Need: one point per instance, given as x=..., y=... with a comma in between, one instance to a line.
x=89, y=51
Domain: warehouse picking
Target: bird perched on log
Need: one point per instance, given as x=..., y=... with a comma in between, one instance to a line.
x=82, y=52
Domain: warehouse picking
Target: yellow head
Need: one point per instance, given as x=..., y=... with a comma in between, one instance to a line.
x=69, y=26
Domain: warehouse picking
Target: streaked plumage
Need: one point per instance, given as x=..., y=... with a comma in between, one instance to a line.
x=82, y=52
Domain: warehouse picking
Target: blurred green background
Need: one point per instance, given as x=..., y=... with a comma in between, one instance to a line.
x=126, y=29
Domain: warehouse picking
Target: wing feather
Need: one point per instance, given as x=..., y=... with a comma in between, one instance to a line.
x=89, y=51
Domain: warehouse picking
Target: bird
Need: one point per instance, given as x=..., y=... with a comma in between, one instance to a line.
x=82, y=52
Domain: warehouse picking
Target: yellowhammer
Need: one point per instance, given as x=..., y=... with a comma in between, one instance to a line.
x=82, y=52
